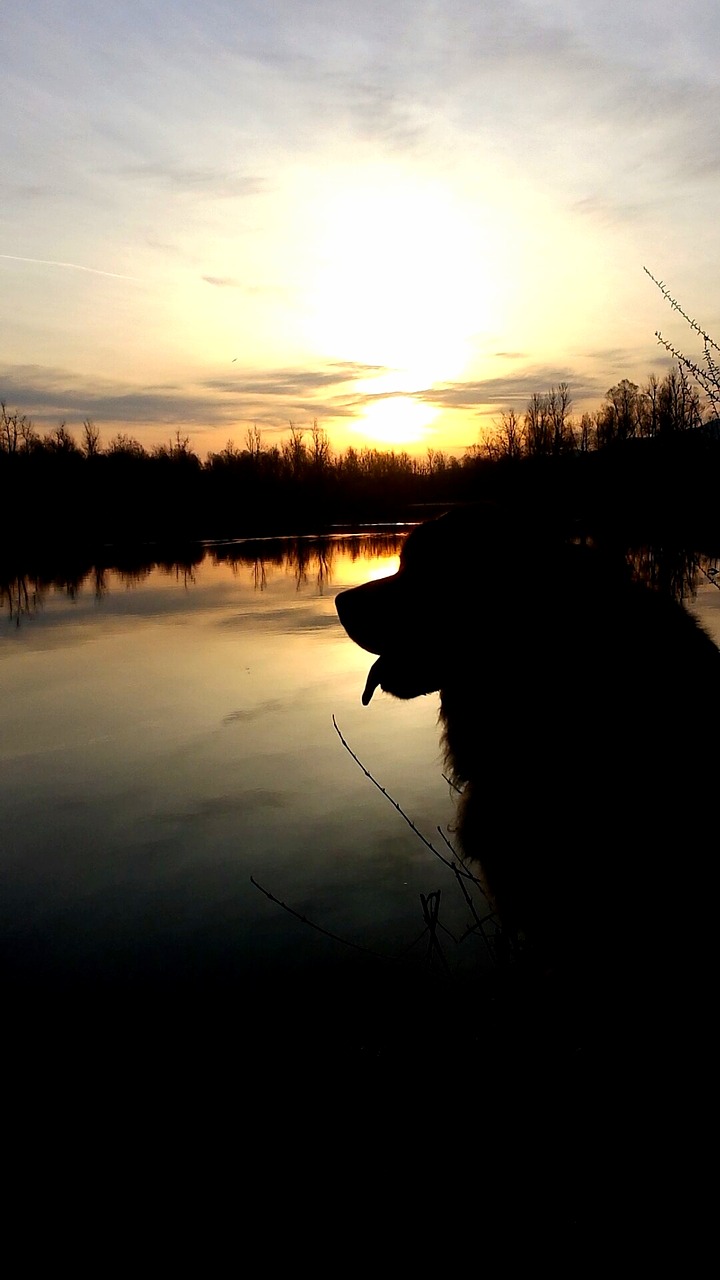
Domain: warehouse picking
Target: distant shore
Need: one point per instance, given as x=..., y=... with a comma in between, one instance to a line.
x=645, y=465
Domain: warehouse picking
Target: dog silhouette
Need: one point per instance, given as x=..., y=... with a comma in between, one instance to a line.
x=577, y=711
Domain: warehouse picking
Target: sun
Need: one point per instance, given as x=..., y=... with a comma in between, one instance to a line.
x=396, y=420
x=401, y=285
x=397, y=282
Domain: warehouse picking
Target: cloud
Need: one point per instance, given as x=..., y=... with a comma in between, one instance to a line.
x=385, y=115
x=223, y=282
x=511, y=390
x=200, y=180
x=608, y=211
x=267, y=397
x=272, y=398
x=36, y=191
x=611, y=355
x=40, y=389
x=293, y=382
x=74, y=266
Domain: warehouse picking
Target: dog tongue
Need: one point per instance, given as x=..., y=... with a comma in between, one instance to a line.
x=372, y=682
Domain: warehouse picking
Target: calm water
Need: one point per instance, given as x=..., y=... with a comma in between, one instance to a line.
x=167, y=734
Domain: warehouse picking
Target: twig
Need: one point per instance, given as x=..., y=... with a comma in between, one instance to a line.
x=676, y=307
x=430, y=902
x=397, y=807
x=406, y=950
x=708, y=378
x=356, y=946
x=712, y=574
x=431, y=908
x=457, y=858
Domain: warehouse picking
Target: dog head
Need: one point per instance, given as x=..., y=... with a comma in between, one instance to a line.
x=448, y=590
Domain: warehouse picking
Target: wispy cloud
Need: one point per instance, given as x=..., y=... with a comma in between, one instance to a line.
x=272, y=398
x=515, y=389
x=269, y=397
x=201, y=180
x=293, y=382
x=222, y=282
x=73, y=266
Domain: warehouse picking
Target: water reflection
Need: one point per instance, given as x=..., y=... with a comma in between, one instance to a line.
x=310, y=560
x=167, y=731
x=677, y=572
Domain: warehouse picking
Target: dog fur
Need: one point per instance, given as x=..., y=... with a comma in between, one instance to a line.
x=577, y=715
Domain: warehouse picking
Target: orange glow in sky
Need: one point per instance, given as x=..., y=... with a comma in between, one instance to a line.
x=395, y=221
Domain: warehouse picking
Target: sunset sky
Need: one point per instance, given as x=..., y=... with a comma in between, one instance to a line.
x=396, y=218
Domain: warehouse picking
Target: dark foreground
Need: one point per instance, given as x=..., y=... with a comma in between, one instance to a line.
x=384, y=1108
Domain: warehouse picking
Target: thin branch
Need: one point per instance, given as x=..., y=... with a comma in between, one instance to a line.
x=396, y=806
x=430, y=902
x=706, y=380
x=431, y=909
x=458, y=860
x=400, y=955
x=490, y=917
x=709, y=377
x=712, y=574
x=676, y=307
x=356, y=946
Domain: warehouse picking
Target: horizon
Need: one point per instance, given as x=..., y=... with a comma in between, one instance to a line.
x=398, y=223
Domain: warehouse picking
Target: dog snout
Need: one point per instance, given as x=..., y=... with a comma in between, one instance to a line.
x=370, y=613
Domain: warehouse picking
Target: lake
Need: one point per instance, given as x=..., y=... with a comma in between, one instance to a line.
x=167, y=738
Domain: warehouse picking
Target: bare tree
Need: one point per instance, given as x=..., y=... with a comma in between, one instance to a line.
x=586, y=433
x=253, y=441
x=10, y=430
x=61, y=441
x=126, y=446
x=558, y=408
x=511, y=435
x=651, y=392
x=320, y=447
x=91, y=439
x=624, y=409
x=538, y=430
x=295, y=451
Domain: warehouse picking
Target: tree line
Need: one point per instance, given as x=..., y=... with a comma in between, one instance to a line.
x=56, y=484
x=57, y=487
x=661, y=408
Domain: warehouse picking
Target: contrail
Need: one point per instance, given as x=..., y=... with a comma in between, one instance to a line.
x=74, y=266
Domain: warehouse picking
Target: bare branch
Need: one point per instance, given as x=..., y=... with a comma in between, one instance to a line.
x=676, y=307
x=356, y=946
x=397, y=807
